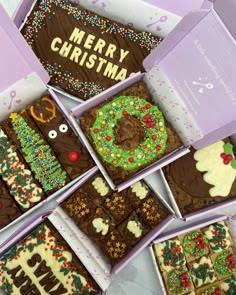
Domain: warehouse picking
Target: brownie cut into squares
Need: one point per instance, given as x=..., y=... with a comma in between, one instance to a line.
x=49, y=263
x=78, y=207
x=98, y=226
x=187, y=177
x=66, y=145
x=117, y=206
x=152, y=211
x=129, y=132
x=133, y=229
x=84, y=53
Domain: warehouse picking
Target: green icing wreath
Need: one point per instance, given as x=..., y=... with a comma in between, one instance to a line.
x=151, y=119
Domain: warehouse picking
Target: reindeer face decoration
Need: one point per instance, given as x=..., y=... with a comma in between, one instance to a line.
x=61, y=137
x=219, y=164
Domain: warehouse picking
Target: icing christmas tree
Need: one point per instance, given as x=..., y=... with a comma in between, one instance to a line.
x=46, y=167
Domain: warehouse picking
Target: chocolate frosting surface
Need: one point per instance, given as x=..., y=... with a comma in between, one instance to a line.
x=92, y=58
x=190, y=191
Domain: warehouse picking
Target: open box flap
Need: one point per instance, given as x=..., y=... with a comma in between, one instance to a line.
x=201, y=71
x=17, y=60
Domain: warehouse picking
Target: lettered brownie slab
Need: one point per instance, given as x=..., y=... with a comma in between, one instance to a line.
x=43, y=263
x=84, y=53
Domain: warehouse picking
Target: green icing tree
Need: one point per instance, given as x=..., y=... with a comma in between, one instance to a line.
x=46, y=167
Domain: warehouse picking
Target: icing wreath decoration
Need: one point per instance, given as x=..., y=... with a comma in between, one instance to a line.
x=151, y=120
x=194, y=243
x=225, y=263
x=178, y=280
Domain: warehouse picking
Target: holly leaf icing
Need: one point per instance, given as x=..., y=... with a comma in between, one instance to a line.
x=228, y=148
x=233, y=163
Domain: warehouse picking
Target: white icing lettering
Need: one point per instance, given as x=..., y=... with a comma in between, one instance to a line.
x=102, y=61
x=89, y=41
x=77, y=36
x=54, y=44
x=83, y=59
x=91, y=63
x=123, y=54
x=100, y=45
x=111, y=70
x=75, y=54
x=65, y=49
x=110, y=50
x=121, y=75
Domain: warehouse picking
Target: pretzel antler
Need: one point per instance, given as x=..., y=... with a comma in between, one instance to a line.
x=51, y=110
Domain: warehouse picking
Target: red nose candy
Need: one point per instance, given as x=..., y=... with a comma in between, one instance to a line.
x=1, y=205
x=73, y=157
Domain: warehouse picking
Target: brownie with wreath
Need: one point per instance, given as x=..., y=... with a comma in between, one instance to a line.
x=224, y=263
x=129, y=132
x=178, y=281
x=211, y=289
x=195, y=245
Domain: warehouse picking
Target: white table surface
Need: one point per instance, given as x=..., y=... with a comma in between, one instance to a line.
x=139, y=276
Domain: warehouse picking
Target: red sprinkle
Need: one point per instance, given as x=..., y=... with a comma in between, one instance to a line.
x=154, y=137
x=131, y=160
x=108, y=138
x=95, y=130
x=73, y=157
x=124, y=113
x=148, y=106
x=158, y=147
x=1, y=205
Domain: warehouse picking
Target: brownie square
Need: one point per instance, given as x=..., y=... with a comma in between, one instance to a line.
x=118, y=207
x=99, y=53
x=224, y=263
x=178, y=281
x=210, y=289
x=202, y=272
x=44, y=259
x=98, y=225
x=137, y=193
x=169, y=254
x=78, y=207
x=218, y=236
x=66, y=145
x=115, y=246
x=8, y=209
x=128, y=132
x=96, y=188
x=195, y=245
x=188, y=184
x=152, y=211
x=133, y=229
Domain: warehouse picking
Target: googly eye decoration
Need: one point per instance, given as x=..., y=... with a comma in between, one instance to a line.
x=63, y=128
x=52, y=134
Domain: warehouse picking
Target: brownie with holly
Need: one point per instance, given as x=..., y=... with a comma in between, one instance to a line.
x=195, y=245
x=75, y=159
x=98, y=226
x=43, y=263
x=228, y=285
x=36, y=151
x=203, y=177
x=133, y=229
x=8, y=208
x=129, y=132
x=117, y=206
x=202, y=272
x=152, y=211
x=17, y=176
x=218, y=236
x=224, y=263
x=170, y=254
x=178, y=281
x=78, y=207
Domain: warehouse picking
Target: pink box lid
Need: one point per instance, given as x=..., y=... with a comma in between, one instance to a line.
x=198, y=59
x=181, y=7
x=17, y=60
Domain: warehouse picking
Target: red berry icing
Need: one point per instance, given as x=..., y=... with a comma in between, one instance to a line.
x=108, y=138
x=131, y=160
x=148, y=106
x=154, y=137
x=73, y=157
x=158, y=147
x=95, y=130
x=124, y=113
